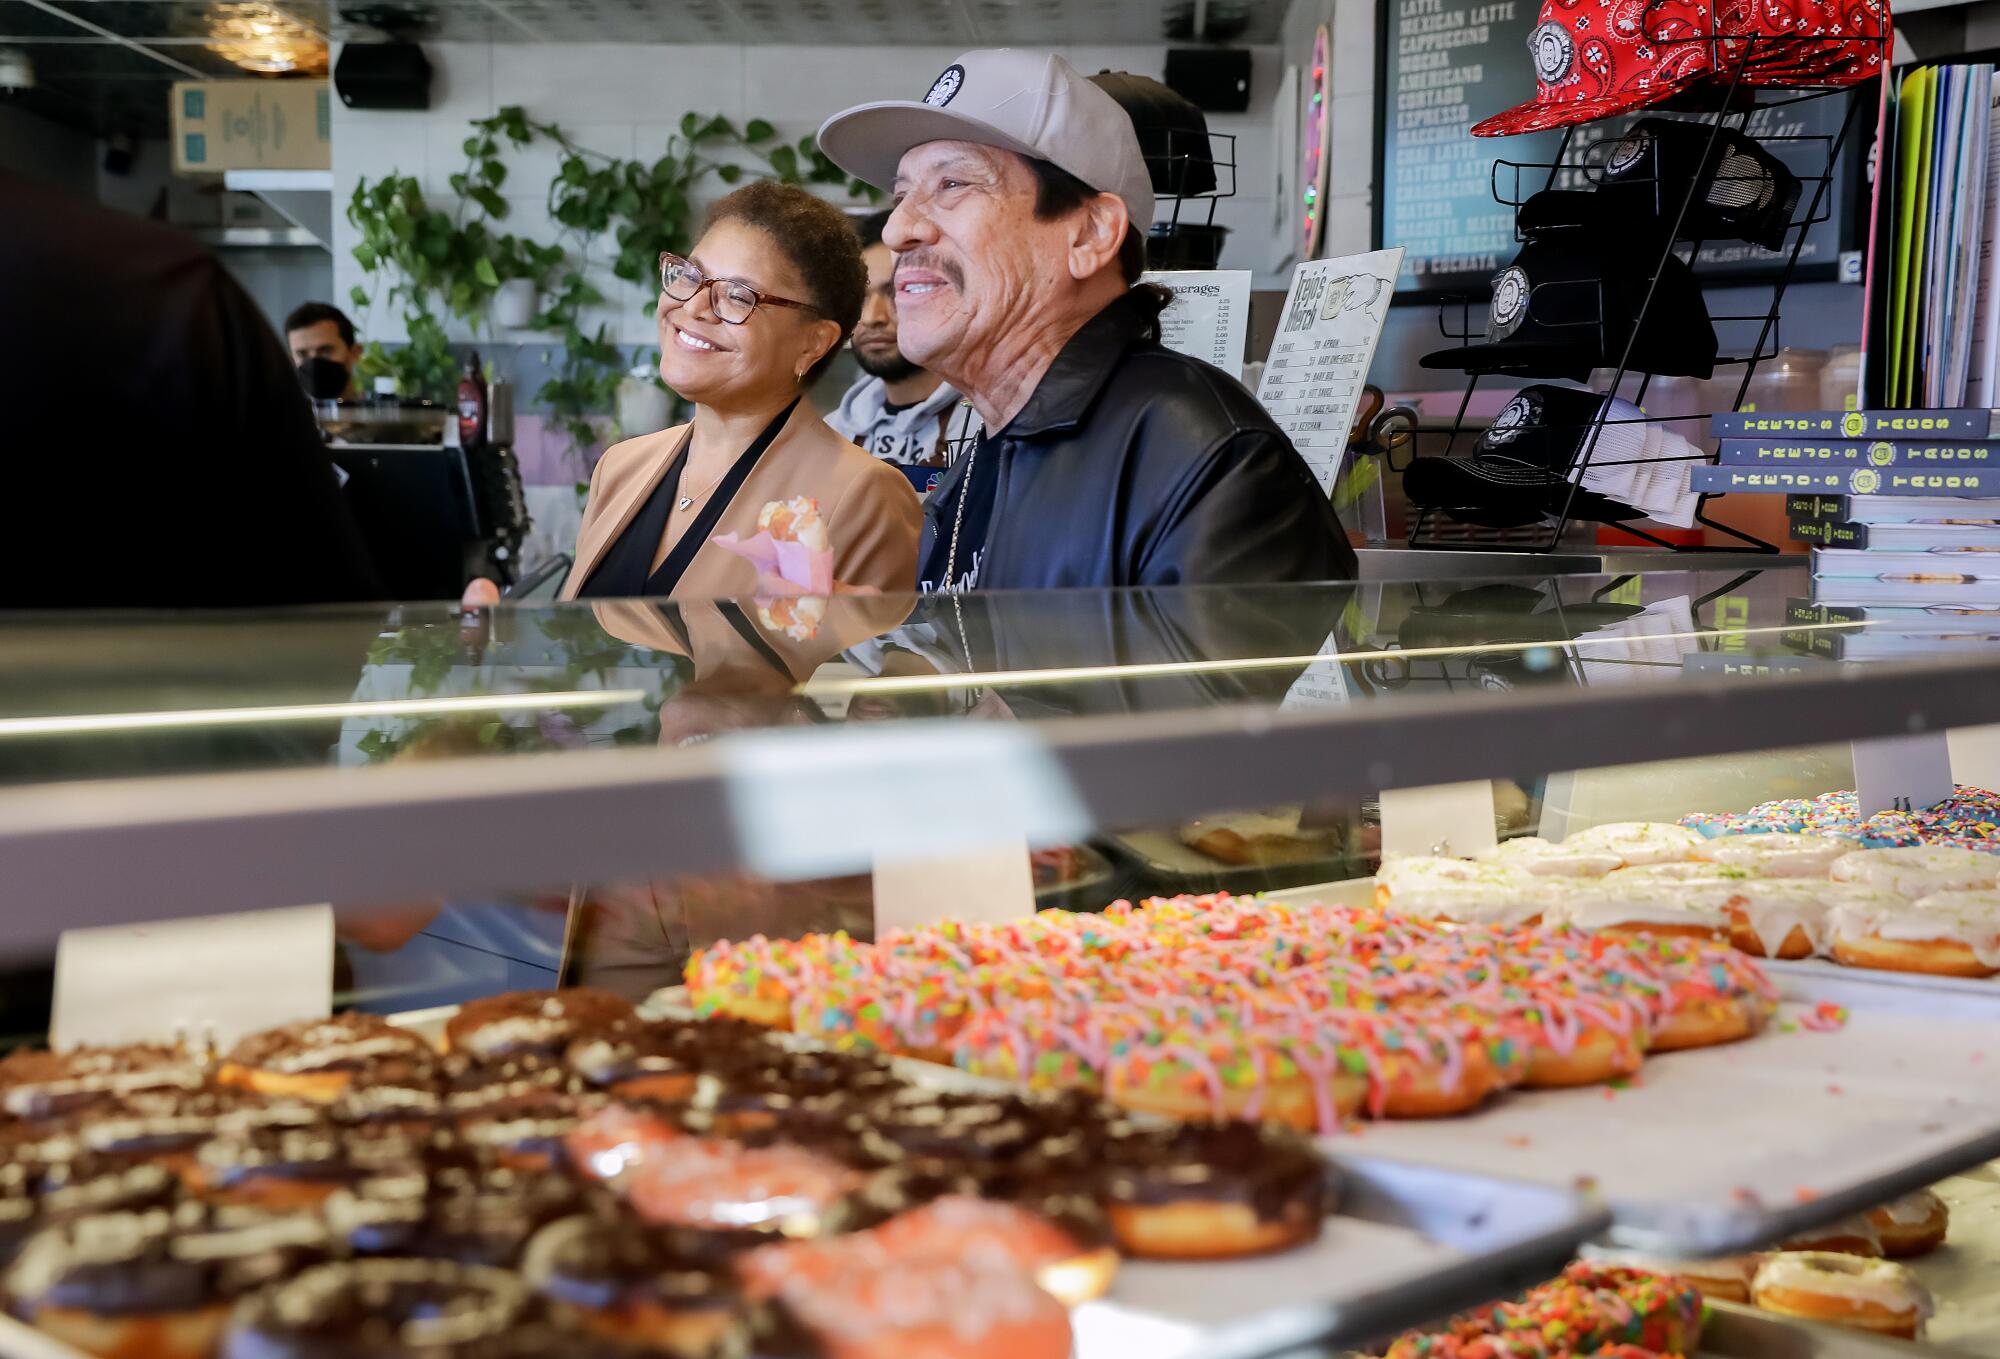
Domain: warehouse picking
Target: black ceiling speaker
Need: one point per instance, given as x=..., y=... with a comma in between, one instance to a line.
x=383, y=75
x=1216, y=79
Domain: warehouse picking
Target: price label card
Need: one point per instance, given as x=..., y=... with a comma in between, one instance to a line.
x=1209, y=318
x=985, y=884
x=214, y=978
x=1902, y=773
x=1453, y=819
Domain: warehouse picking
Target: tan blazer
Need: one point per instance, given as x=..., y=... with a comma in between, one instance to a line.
x=872, y=514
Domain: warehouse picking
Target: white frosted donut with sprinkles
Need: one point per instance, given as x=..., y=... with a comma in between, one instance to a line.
x=1777, y=854
x=1638, y=842
x=1918, y=870
x=1546, y=858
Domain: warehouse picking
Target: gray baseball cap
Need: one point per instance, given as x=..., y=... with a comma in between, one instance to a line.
x=1031, y=103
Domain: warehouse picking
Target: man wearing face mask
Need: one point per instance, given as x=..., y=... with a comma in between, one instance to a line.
x=324, y=347
x=896, y=410
x=1107, y=459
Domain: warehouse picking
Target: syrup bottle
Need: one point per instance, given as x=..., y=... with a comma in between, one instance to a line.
x=472, y=404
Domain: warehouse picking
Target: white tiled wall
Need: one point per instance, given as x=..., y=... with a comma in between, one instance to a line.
x=625, y=100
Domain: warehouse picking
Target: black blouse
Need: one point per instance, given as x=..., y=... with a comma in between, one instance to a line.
x=626, y=568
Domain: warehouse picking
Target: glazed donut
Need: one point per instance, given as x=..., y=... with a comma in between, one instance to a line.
x=1917, y=871
x=152, y=1284
x=386, y=1307
x=629, y=1283
x=1546, y=858
x=539, y=1022
x=1459, y=890
x=1951, y=934
x=1914, y=1224
x=317, y=1059
x=1846, y=1290
x=36, y=1084
x=1777, y=854
x=1637, y=842
x=1854, y=1235
x=1209, y=1191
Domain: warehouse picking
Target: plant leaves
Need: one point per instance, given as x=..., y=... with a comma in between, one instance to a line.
x=729, y=174
x=482, y=269
x=495, y=172
x=689, y=122
x=758, y=130
x=359, y=298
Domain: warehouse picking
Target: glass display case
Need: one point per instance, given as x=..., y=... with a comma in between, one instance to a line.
x=593, y=794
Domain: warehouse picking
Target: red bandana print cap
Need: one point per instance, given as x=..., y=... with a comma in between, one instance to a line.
x=1596, y=58
x=1803, y=42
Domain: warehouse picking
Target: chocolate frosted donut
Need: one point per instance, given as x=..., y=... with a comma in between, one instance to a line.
x=167, y=1122
x=389, y=1308
x=631, y=1282
x=317, y=1059
x=460, y=1207
x=544, y=1022
x=39, y=1085
x=1212, y=1190
x=400, y=1090
x=34, y=1196
x=297, y=1167
x=155, y=1282
x=660, y=1061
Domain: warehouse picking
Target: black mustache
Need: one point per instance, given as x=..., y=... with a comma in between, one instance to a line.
x=937, y=264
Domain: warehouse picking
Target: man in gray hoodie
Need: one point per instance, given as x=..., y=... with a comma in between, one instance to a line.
x=897, y=411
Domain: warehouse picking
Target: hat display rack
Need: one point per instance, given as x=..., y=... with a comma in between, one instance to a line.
x=1724, y=106
x=1195, y=171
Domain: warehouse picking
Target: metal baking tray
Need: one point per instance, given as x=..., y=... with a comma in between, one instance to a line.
x=1084, y=892
x=1404, y=1245
x=1733, y=1331
x=1169, y=866
x=1874, y=976
x=1960, y=1273
x=1720, y=1150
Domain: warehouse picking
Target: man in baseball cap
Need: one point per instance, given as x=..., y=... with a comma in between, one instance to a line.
x=1022, y=203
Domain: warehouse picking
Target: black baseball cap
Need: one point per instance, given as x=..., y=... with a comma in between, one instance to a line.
x=1172, y=131
x=1570, y=302
x=1742, y=191
x=1495, y=493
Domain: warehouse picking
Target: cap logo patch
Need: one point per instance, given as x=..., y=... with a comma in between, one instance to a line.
x=945, y=88
x=1554, y=51
x=1510, y=300
x=1508, y=423
x=1629, y=151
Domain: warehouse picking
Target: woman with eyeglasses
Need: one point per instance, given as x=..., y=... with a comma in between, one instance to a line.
x=747, y=322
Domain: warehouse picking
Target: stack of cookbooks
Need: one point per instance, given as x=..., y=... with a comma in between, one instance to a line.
x=1903, y=510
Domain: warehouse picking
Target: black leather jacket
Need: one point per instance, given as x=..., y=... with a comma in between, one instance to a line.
x=1134, y=465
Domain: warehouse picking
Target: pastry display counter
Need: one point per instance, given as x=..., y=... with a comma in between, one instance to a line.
x=614, y=792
